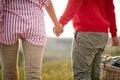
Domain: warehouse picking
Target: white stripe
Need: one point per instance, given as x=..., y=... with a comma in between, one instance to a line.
x=16, y=22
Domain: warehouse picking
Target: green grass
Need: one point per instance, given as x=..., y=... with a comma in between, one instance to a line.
x=54, y=70
x=112, y=51
x=57, y=71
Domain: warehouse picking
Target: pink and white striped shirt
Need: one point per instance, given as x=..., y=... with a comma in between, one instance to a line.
x=23, y=19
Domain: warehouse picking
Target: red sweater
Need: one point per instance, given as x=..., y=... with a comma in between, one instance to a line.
x=90, y=16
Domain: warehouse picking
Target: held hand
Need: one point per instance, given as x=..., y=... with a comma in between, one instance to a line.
x=115, y=41
x=58, y=30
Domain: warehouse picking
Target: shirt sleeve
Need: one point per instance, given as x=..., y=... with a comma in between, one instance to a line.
x=46, y=2
x=70, y=10
x=110, y=8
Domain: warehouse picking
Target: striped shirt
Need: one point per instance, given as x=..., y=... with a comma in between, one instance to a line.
x=23, y=19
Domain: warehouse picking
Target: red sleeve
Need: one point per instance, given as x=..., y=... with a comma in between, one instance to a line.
x=70, y=10
x=111, y=17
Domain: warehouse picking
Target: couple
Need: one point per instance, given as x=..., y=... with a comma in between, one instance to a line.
x=24, y=19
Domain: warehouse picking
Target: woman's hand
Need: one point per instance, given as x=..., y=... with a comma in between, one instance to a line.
x=58, y=30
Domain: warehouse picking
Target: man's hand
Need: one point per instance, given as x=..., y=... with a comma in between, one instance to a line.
x=115, y=41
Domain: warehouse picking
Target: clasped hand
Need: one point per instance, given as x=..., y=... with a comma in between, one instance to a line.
x=58, y=30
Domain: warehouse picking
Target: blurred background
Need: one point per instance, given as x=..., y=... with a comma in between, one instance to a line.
x=57, y=55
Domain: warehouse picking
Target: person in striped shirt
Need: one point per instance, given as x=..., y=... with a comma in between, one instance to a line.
x=24, y=19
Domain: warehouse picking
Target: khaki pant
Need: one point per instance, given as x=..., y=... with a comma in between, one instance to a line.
x=86, y=54
x=32, y=61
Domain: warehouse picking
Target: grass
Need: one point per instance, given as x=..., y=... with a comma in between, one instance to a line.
x=57, y=71
x=54, y=70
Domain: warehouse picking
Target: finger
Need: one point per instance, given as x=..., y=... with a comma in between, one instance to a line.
x=58, y=34
x=57, y=31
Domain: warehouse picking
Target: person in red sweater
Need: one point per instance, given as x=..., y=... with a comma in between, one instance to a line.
x=92, y=20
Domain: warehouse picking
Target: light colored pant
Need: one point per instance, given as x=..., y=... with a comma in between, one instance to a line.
x=86, y=54
x=32, y=56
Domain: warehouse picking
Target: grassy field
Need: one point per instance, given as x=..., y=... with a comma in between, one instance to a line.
x=54, y=70
x=57, y=71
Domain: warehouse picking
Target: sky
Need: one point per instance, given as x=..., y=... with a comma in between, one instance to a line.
x=59, y=6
